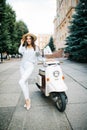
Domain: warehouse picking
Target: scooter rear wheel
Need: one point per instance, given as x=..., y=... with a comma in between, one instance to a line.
x=61, y=102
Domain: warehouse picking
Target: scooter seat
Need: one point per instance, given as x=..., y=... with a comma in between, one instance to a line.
x=42, y=71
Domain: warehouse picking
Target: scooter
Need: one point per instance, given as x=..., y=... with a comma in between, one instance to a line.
x=50, y=80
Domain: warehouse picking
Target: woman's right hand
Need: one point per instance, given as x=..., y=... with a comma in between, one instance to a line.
x=22, y=41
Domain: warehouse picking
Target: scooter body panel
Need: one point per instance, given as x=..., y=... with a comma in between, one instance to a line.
x=55, y=82
x=53, y=79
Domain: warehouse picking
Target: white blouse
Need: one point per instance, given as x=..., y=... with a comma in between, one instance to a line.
x=29, y=54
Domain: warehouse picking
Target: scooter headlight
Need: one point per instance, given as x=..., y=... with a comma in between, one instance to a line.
x=56, y=73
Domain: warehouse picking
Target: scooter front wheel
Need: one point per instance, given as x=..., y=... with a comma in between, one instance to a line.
x=61, y=102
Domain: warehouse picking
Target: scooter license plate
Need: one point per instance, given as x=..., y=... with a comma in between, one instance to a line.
x=56, y=79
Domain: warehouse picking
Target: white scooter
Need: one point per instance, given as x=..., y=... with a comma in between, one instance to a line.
x=50, y=80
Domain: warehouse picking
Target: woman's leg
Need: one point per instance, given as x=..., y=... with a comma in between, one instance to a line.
x=24, y=85
x=24, y=81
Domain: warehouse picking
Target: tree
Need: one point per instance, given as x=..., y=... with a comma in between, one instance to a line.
x=77, y=38
x=51, y=44
x=21, y=29
x=10, y=30
x=4, y=34
x=10, y=20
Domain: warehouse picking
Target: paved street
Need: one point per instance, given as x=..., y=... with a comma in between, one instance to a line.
x=43, y=115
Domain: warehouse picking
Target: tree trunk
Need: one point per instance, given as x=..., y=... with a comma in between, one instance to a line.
x=1, y=57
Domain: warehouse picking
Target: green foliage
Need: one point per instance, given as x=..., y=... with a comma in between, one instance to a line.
x=11, y=30
x=21, y=29
x=51, y=44
x=3, y=25
x=77, y=40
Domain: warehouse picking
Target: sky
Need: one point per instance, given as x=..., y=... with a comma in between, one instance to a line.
x=38, y=15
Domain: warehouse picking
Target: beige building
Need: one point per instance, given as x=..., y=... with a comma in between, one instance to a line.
x=64, y=11
x=43, y=40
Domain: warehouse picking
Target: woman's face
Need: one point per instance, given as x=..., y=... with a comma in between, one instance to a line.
x=28, y=40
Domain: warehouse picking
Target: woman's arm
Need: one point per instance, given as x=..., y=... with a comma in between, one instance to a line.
x=39, y=56
x=38, y=51
x=21, y=47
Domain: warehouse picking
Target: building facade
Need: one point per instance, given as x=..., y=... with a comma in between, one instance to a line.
x=43, y=40
x=64, y=11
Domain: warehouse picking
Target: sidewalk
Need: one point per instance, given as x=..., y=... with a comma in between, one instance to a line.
x=43, y=115
x=77, y=71
x=76, y=80
x=9, y=91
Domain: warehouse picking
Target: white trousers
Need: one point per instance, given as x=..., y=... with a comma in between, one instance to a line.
x=26, y=71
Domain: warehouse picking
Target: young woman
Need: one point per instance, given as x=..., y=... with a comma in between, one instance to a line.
x=28, y=50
